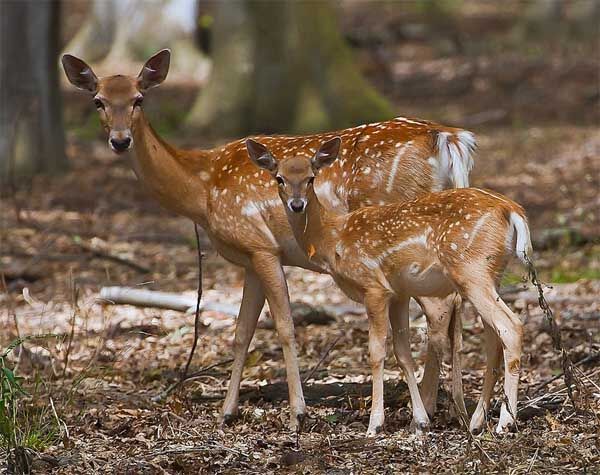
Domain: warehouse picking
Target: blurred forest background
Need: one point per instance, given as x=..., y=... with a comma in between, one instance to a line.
x=523, y=76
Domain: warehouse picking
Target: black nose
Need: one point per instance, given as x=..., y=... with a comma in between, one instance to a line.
x=297, y=205
x=120, y=145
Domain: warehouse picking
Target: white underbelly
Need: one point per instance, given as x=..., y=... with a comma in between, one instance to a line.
x=422, y=282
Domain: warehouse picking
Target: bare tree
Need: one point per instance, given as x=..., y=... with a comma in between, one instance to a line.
x=31, y=131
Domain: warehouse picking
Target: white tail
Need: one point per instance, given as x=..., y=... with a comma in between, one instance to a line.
x=523, y=248
x=455, y=151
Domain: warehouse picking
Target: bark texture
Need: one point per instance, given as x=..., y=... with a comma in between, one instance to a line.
x=31, y=131
x=282, y=67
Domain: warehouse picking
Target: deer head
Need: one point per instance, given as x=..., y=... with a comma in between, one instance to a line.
x=118, y=98
x=296, y=175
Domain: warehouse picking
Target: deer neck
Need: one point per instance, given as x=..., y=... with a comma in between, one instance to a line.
x=179, y=179
x=316, y=231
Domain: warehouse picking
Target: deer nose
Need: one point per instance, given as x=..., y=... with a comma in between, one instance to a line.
x=297, y=205
x=120, y=145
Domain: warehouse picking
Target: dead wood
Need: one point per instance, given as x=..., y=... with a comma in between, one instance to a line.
x=156, y=299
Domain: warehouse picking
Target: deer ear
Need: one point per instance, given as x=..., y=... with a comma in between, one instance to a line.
x=327, y=154
x=155, y=70
x=261, y=156
x=79, y=73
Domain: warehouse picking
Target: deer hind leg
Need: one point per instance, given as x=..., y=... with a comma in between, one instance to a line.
x=377, y=304
x=493, y=349
x=441, y=313
x=509, y=330
x=253, y=301
x=268, y=268
x=401, y=337
x=456, y=341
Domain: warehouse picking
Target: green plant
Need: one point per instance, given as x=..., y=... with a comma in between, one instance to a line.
x=26, y=421
x=10, y=390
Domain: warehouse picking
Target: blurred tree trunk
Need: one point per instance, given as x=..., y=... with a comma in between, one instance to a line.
x=278, y=67
x=31, y=131
x=252, y=85
x=120, y=34
x=94, y=39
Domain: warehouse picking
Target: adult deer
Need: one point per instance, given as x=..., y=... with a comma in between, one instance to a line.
x=426, y=247
x=239, y=208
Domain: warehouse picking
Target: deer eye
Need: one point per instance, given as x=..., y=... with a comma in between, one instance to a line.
x=280, y=180
x=138, y=102
x=99, y=104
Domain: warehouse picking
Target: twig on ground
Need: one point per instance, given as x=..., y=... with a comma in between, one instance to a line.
x=111, y=257
x=197, y=314
x=582, y=361
x=567, y=364
x=74, y=298
x=189, y=377
x=323, y=356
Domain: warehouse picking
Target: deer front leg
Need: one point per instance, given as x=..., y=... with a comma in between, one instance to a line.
x=377, y=304
x=268, y=268
x=401, y=336
x=253, y=300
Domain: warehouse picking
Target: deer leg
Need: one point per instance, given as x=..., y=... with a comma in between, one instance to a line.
x=455, y=334
x=438, y=313
x=493, y=350
x=253, y=300
x=377, y=304
x=269, y=270
x=401, y=337
x=507, y=330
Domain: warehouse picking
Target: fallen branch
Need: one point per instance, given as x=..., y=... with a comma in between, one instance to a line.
x=111, y=257
x=166, y=300
x=589, y=358
x=189, y=377
x=532, y=297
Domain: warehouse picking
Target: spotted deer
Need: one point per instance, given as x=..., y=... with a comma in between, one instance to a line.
x=239, y=208
x=431, y=246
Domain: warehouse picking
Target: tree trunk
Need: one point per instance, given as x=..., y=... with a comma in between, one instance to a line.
x=94, y=39
x=31, y=131
x=280, y=67
x=347, y=98
x=119, y=34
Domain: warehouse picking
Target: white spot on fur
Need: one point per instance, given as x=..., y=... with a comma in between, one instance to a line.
x=395, y=164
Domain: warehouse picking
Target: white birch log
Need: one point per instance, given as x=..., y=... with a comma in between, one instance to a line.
x=167, y=300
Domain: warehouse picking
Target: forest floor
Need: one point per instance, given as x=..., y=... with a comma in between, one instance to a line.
x=92, y=383
x=106, y=364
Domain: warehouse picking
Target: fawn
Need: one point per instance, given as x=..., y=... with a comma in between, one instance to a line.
x=240, y=210
x=453, y=240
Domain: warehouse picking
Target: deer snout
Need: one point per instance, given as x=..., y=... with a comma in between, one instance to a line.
x=120, y=142
x=297, y=205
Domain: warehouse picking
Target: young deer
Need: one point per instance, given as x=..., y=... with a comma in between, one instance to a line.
x=454, y=240
x=239, y=208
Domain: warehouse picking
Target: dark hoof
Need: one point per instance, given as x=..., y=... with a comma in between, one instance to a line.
x=419, y=427
x=302, y=418
x=229, y=419
x=375, y=431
